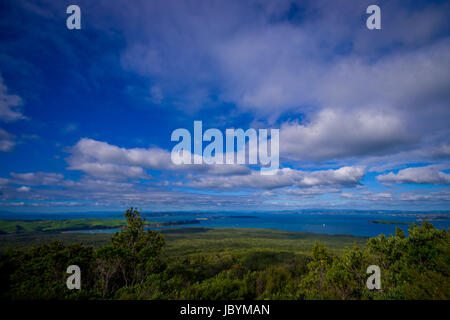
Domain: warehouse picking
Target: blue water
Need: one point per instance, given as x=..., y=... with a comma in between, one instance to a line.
x=328, y=223
x=350, y=224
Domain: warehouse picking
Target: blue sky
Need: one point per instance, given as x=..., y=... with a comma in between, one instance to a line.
x=86, y=115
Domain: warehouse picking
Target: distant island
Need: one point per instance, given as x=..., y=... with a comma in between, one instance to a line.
x=223, y=217
x=390, y=222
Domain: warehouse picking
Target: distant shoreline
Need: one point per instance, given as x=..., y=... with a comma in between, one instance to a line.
x=11, y=227
x=357, y=225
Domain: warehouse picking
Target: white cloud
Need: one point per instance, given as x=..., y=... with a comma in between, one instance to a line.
x=422, y=175
x=384, y=94
x=37, y=178
x=7, y=141
x=111, y=171
x=400, y=198
x=345, y=176
x=435, y=153
x=101, y=159
x=9, y=112
x=9, y=105
x=335, y=134
x=91, y=151
x=100, y=192
x=343, y=93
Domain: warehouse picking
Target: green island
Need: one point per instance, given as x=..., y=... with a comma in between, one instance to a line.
x=217, y=263
x=390, y=222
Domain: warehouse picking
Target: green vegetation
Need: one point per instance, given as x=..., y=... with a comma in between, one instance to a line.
x=24, y=226
x=203, y=263
x=186, y=241
x=191, y=240
x=390, y=222
x=28, y=226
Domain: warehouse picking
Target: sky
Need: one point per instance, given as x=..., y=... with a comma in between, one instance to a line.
x=86, y=116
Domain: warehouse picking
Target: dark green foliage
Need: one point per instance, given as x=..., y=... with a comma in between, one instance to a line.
x=414, y=267
x=40, y=273
x=134, y=266
x=137, y=249
x=28, y=226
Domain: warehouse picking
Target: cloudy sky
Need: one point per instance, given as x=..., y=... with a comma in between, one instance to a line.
x=86, y=115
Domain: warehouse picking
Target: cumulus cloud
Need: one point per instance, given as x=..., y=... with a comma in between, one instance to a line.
x=335, y=134
x=102, y=159
x=434, y=153
x=345, y=176
x=358, y=93
x=89, y=150
x=421, y=175
x=373, y=109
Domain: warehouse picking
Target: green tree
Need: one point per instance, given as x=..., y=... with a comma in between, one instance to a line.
x=138, y=249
